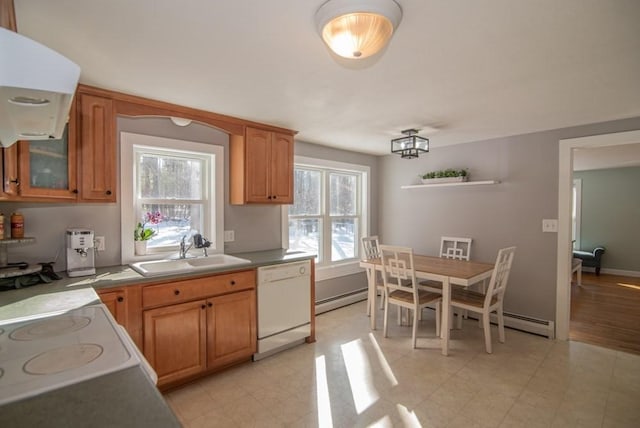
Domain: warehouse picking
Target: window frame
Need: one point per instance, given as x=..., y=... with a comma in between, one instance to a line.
x=328, y=269
x=214, y=209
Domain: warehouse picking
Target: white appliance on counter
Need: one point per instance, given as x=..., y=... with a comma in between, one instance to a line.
x=50, y=352
x=80, y=252
x=284, y=306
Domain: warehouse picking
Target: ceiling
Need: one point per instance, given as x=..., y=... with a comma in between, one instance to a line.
x=471, y=70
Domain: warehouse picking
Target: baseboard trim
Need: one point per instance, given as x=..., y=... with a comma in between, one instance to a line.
x=620, y=272
x=524, y=323
x=340, y=301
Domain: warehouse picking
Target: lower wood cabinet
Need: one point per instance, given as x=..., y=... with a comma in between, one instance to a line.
x=231, y=328
x=175, y=340
x=185, y=339
x=116, y=302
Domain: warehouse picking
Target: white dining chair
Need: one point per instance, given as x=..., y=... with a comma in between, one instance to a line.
x=450, y=248
x=400, y=287
x=491, y=301
x=371, y=251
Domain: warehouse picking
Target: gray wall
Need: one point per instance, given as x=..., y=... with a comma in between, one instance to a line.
x=495, y=216
x=611, y=215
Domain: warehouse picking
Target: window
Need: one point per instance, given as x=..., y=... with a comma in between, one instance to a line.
x=180, y=187
x=329, y=214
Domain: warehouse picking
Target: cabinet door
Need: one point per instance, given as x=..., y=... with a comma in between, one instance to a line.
x=258, y=143
x=115, y=301
x=175, y=340
x=281, y=169
x=97, y=149
x=10, y=171
x=231, y=328
x=47, y=168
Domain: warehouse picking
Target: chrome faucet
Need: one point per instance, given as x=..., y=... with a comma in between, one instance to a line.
x=201, y=242
x=184, y=248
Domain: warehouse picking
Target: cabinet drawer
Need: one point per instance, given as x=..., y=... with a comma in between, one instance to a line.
x=183, y=291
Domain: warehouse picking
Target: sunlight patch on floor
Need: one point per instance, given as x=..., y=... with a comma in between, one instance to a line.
x=360, y=376
x=409, y=418
x=322, y=389
x=383, y=361
x=635, y=287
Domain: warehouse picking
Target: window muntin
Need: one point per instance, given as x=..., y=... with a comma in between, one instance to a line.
x=199, y=205
x=173, y=183
x=327, y=215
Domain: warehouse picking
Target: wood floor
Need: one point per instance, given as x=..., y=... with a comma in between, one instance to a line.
x=605, y=311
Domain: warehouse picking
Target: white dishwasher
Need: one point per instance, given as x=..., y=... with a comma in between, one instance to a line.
x=284, y=306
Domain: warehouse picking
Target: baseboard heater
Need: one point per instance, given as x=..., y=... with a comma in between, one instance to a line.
x=537, y=326
x=336, y=302
x=524, y=323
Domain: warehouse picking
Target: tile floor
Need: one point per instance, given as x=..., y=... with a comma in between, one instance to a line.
x=352, y=377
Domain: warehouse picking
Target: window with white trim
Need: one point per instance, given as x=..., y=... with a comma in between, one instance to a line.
x=175, y=187
x=330, y=210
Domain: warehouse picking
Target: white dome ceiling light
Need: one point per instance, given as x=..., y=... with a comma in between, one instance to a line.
x=357, y=29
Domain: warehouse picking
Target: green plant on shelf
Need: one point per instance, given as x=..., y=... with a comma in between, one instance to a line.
x=444, y=173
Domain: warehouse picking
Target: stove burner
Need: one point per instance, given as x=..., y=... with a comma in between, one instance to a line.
x=48, y=328
x=63, y=359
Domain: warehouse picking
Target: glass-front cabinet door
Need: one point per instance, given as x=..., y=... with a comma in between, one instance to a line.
x=47, y=168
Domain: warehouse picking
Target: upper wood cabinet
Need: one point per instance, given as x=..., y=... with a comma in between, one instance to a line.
x=81, y=166
x=97, y=149
x=42, y=169
x=261, y=167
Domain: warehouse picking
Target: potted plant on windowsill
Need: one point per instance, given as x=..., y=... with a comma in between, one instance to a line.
x=142, y=234
x=449, y=175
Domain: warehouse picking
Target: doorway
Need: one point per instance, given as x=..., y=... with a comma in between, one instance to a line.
x=565, y=192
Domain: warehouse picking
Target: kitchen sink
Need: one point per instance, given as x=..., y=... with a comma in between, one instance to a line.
x=171, y=267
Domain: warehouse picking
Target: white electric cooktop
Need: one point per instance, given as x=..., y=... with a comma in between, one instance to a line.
x=47, y=353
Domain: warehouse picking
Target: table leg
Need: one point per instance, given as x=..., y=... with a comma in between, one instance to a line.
x=444, y=322
x=372, y=296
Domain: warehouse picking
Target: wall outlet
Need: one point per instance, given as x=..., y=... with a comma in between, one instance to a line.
x=229, y=235
x=99, y=243
x=549, y=225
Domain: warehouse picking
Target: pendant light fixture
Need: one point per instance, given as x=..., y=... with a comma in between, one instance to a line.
x=411, y=145
x=357, y=29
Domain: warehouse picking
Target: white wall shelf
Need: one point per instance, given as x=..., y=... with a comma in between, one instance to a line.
x=460, y=183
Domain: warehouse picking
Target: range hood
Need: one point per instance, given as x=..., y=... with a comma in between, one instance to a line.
x=37, y=86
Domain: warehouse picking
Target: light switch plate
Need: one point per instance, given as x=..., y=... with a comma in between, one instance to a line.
x=549, y=225
x=229, y=236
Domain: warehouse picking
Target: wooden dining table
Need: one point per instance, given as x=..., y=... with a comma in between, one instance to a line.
x=447, y=271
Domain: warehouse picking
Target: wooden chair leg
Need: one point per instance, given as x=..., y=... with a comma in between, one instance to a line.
x=415, y=327
x=438, y=312
x=500, y=326
x=487, y=331
x=386, y=318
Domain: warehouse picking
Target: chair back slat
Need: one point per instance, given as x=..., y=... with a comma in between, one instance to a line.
x=370, y=248
x=398, y=272
x=455, y=248
x=500, y=275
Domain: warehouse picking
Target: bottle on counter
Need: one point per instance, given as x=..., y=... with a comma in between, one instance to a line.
x=1, y=226
x=17, y=226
